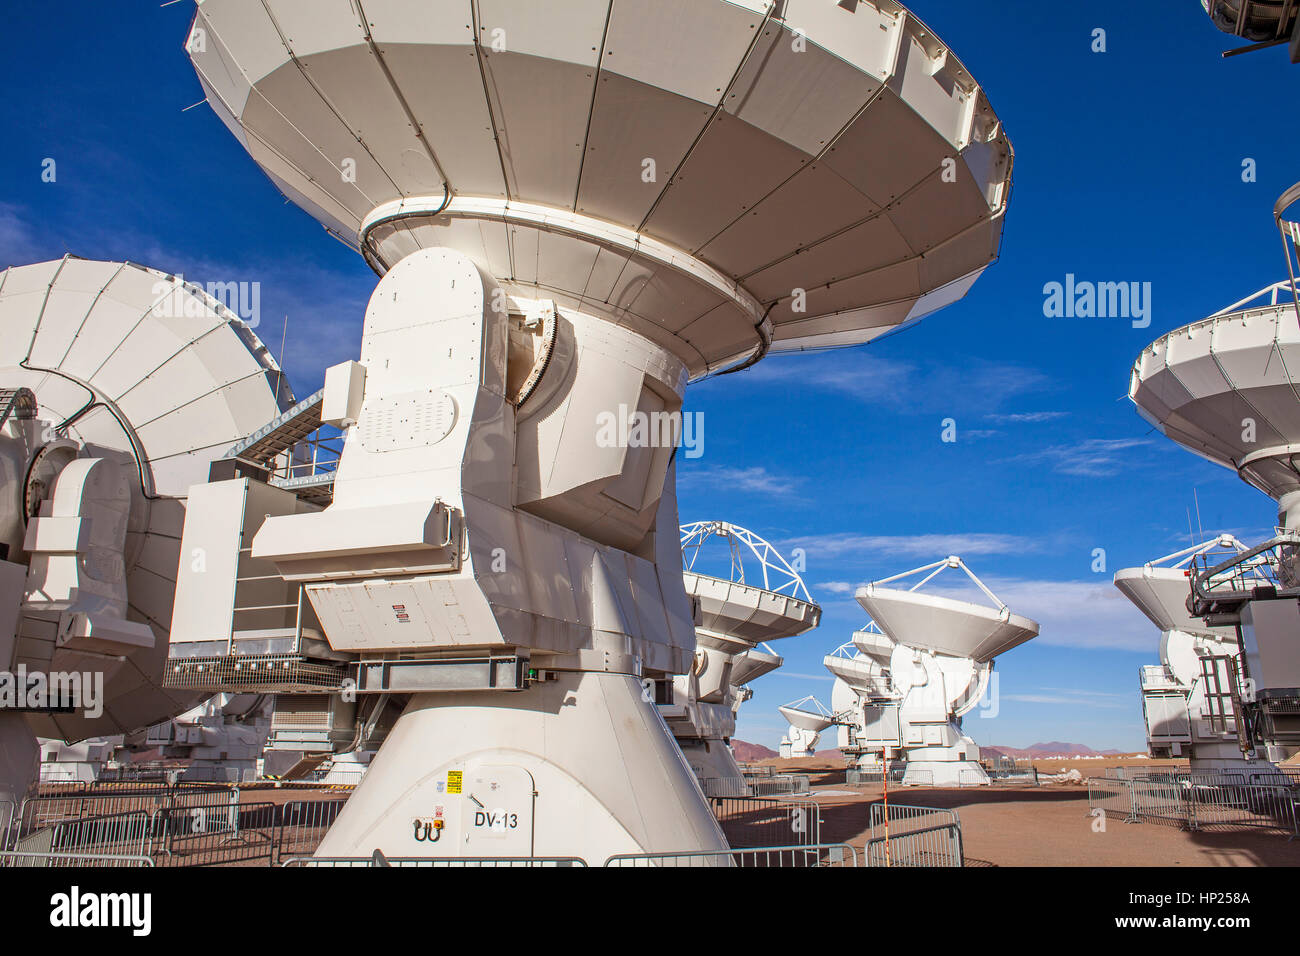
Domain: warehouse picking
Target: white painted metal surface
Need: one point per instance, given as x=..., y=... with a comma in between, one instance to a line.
x=588, y=150
x=1224, y=388
x=1186, y=714
x=576, y=208
x=944, y=625
x=140, y=381
x=753, y=595
x=1160, y=589
x=904, y=682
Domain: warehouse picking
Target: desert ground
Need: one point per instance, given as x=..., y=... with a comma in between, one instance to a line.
x=1047, y=825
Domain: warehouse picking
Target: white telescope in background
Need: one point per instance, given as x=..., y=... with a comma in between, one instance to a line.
x=576, y=208
x=1187, y=699
x=755, y=597
x=808, y=717
x=1223, y=388
x=905, y=682
x=119, y=385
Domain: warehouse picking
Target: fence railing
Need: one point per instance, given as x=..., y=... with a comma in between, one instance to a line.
x=756, y=821
x=725, y=786
x=302, y=826
x=1112, y=796
x=379, y=860
x=783, y=857
x=193, y=828
x=19, y=858
x=1200, y=801
x=47, y=810
x=935, y=845
x=780, y=783
x=903, y=818
x=854, y=777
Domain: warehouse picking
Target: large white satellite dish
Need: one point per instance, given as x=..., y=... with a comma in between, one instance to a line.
x=752, y=595
x=576, y=208
x=137, y=382
x=807, y=713
x=941, y=624
x=1160, y=588
x=723, y=177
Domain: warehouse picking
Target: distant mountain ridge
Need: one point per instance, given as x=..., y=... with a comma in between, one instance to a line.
x=1053, y=748
x=746, y=752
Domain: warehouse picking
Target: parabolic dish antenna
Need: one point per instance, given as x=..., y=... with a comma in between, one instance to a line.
x=1160, y=588
x=874, y=643
x=941, y=624
x=807, y=713
x=859, y=671
x=773, y=602
x=155, y=377
x=753, y=664
x=1226, y=387
x=724, y=178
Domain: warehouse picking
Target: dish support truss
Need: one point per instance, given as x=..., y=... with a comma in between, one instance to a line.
x=778, y=575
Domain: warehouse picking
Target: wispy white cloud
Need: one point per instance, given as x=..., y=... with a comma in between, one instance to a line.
x=1088, y=614
x=837, y=587
x=1092, y=458
x=1025, y=418
x=932, y=546
x=757, y=480
x=918, y=387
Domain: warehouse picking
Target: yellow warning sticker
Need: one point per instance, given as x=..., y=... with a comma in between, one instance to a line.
x=453, y=781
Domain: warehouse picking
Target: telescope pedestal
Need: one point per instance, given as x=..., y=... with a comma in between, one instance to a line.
x=582, y=766
x=20, y=758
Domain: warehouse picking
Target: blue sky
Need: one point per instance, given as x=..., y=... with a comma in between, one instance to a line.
x=1128, y=168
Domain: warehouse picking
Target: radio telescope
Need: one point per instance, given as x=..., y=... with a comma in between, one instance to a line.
x=905, y=682
x=1223, y=387
x=738, y=613
x=808, y=717
x=1187, y=698
x=119, y=386
x=576, y=208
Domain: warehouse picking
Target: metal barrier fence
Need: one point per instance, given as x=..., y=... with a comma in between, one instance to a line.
x=854, y=777
x=215, y=834
x=17, y=858
x=7, y=815
x=1199, y=801
x=303, y=824
x=1111, y=796
x=41, y=812
x=1242, y=805
x=1158, y=798
x=755, y=821
x=934, y=845
x=200, y=830
x=822, y=855
x=904, y=819
x=379, y=860
x=725, y=786
x=118, y=834
x=781, y=783
x=1014, y=778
